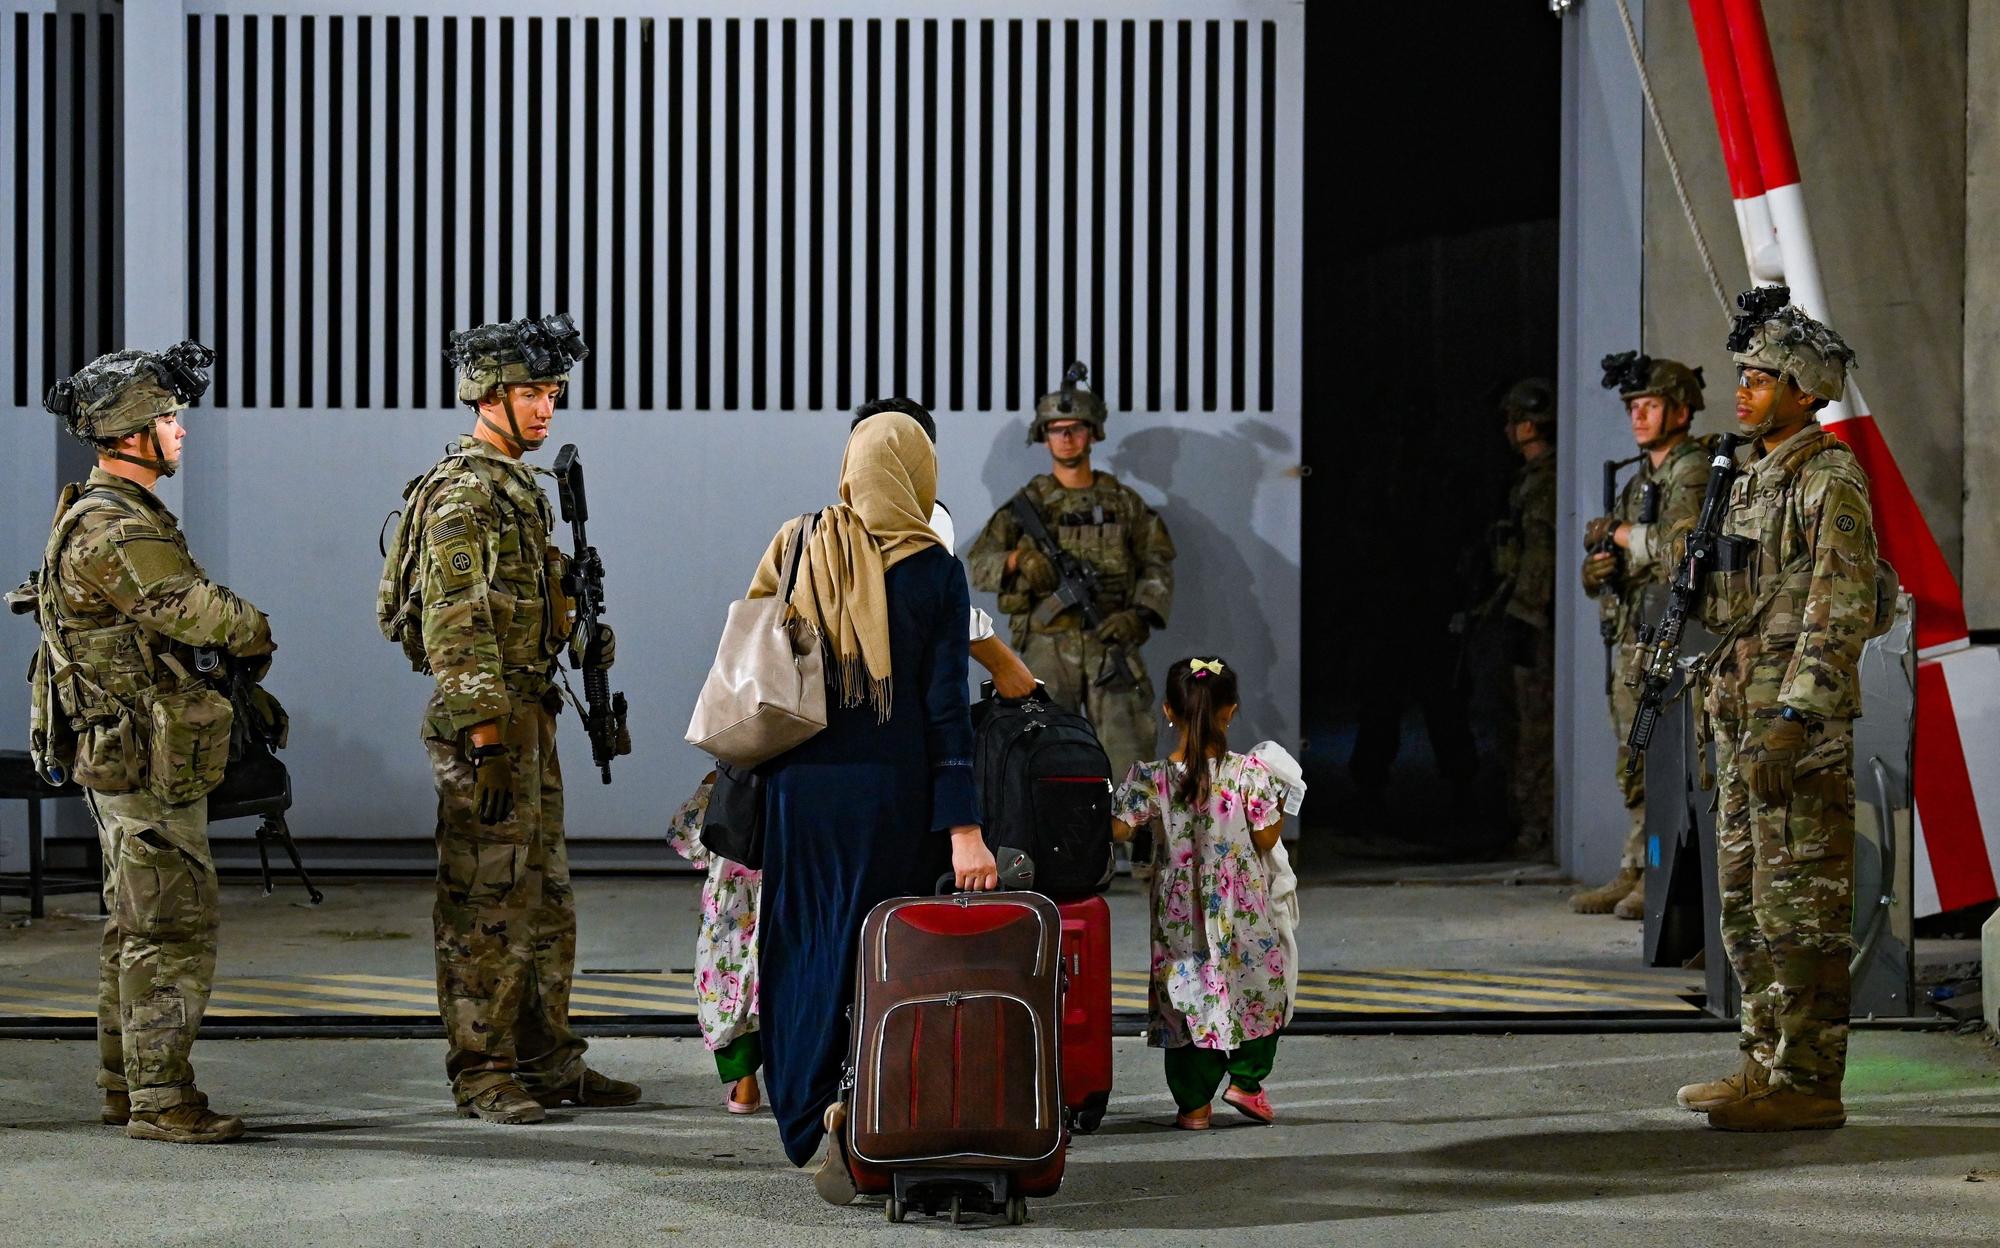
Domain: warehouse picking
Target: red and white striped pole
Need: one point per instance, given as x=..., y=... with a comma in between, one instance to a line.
x=1958, y=686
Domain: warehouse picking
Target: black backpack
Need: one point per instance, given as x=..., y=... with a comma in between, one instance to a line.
x=1045, y=790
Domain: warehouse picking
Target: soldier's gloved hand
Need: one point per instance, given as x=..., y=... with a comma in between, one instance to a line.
x=603, y=649
x=1771, y=758
x=492, y=783
x=1598, y=531
x=1123, y=628
x=1599, y=570
x=1036, y=570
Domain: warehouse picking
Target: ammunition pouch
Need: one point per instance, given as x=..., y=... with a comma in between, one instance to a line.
x=1732, y=587
x=561, y=609
x=190, y=743
x=109, y=757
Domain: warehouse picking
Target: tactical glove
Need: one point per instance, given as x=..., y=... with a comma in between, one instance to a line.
x=1771, y=757
x=1123, y=628
x=1599, y=570
x=1599, y=531
x=1036, y=571
x=493, y=783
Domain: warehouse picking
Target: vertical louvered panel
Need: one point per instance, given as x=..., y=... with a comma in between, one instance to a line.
x=759, y=208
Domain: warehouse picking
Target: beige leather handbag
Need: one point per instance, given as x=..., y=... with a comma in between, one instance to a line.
x=766, y=691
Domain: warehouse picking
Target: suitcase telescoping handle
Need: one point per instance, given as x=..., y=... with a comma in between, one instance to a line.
x=1017, y=873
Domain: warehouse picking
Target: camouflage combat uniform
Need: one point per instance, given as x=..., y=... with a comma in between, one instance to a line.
x=1525, y=560
x=1792, y=622
x=492, y=620
x=1109, y=527
x=1644, y=570
x=123, y=607
x=1787, y=872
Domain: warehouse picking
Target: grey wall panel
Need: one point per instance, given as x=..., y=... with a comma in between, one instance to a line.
x=681, y=520
x=1603, y=168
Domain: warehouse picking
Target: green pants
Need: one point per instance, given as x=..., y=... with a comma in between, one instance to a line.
x=1193, y=1073
x=740, y=1058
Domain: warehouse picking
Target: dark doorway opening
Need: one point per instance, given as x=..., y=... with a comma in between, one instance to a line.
x=1433, y=147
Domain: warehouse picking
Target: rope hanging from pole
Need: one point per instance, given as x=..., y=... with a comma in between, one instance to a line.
x=1673, y=164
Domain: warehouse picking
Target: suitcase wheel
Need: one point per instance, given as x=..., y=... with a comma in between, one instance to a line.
x=896, y=1210
x=1017, y=1210
x=1088, y=1120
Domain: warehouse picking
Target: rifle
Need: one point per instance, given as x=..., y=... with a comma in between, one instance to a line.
x=603, y=711
x=1076, y=587
x=1660, y=644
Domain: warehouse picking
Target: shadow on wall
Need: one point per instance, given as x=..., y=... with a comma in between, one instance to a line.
x=1223, y=566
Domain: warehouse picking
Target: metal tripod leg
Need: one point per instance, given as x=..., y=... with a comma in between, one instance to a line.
x=273, y=829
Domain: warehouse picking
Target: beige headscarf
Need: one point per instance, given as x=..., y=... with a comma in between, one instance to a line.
x=888, y=483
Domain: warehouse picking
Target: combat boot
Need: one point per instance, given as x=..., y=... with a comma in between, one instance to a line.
x=191, y=1122
x=1781, y=1108
x=503, y=1103
x=1707, y=1097
x=1601, y=900
x=117, y=1109
x=1633, y=906
x=591, y=1091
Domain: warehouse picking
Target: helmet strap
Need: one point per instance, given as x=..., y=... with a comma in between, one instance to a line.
x=512, y=433
x=158, y=463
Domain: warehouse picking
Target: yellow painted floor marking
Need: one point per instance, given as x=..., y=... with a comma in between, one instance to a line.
x=1488, y=979
x=296, y=1005
x=1586, y=981
x=316, y=992
x=1338, y=984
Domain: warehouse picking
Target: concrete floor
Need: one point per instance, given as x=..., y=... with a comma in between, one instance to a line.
x=1384, y=1140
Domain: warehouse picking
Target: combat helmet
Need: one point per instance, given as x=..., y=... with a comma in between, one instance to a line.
x=1073, y=401
x=1637, y=376
x=124, y=392
x=491, y=357
x=1774, y=334
x=1531, y=399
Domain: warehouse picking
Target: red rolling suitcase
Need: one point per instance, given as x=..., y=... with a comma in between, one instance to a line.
x=1086, y=1024
x=956, y=1068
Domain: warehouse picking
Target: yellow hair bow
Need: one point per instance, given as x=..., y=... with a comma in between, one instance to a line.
x=1212, y=667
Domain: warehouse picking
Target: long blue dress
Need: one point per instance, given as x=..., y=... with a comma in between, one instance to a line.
x=859, y=814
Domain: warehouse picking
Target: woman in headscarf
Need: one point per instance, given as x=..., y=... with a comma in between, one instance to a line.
x=879, y=804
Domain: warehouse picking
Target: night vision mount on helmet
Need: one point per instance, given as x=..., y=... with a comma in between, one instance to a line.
x=124, y=392
x=532, y=349
x=1072, y=401
x=1775, y=335
x=1636, y=376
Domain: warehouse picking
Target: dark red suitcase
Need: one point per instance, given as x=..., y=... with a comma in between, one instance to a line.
x=1086, y=1024
x=956, y=1068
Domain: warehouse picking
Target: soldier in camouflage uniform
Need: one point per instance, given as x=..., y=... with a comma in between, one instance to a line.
x=121, y=707
x=1104, y=523
x=1524, y=560
x=474, y=592
x=1629, y=562
x=1782, y=694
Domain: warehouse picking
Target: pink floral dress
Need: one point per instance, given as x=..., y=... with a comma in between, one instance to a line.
x=725, y=951
x=1218, y=973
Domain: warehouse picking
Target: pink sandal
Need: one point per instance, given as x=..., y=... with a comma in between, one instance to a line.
x=735, y=1106
x=1195, y=1119
x=1252, y=1105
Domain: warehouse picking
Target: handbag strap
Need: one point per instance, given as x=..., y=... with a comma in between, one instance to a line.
x=807, y=523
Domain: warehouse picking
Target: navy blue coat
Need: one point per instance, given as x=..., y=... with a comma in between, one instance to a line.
x=860, y=813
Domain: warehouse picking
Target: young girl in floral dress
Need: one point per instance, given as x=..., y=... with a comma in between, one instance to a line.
x=1217, y=997
x=725, y=956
